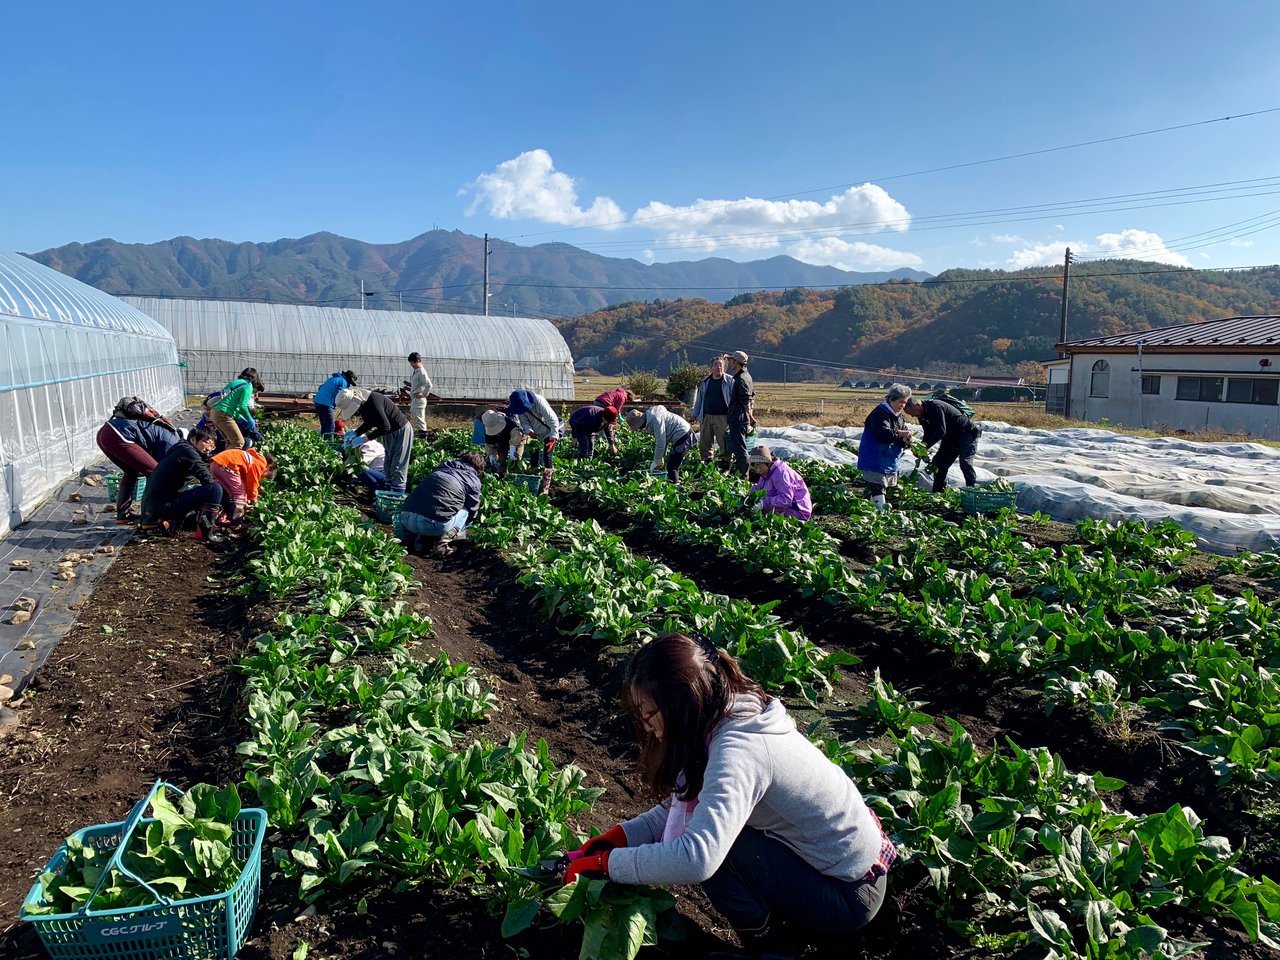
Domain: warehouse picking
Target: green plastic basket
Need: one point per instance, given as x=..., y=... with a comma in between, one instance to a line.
x=387, y=505
x=112, y=481
x=530, y=481
x=202, y=928
x=982, y=500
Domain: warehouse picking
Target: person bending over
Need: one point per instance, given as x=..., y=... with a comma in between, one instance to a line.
x=778, y=836
x=586, y=422
x=672, y=435
x=955, y=434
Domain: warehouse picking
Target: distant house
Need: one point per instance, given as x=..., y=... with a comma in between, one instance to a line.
x=586, y=363
x=1221, y=375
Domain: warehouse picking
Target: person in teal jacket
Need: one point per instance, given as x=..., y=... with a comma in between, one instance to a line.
x=235, y=402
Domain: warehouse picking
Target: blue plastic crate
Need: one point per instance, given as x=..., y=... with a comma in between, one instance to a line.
x=201, y=928
x=981, y=500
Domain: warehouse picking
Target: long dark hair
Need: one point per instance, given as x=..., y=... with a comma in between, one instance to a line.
x=695, y=686
x=255, y=381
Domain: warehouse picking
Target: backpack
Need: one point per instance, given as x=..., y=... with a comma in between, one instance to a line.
x=954, y=401
x=135, y=408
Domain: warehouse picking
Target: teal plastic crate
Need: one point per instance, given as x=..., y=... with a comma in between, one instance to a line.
x=387, y=505
x=982, y=500
x=113, y=486
x=530, y=481
x=202, y=928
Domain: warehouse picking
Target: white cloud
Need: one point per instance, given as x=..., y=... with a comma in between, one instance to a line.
x=855, y=255
x=756, y=223
x=649, y=256
x=1130, y=244
x=529, y=187
x=1240, y=243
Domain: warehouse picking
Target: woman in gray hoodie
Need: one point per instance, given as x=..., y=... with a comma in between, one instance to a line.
x=777, y=834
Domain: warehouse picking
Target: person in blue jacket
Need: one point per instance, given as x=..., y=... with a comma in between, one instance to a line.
x=884, y=438
x=326, y=398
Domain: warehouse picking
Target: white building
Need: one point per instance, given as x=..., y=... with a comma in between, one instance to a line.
x=68, y=353
x=1221, y=376
x=296, y=347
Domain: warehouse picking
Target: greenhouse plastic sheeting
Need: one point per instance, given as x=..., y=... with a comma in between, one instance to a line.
x=296, y=347
x=1227, y=494
x=68, y=353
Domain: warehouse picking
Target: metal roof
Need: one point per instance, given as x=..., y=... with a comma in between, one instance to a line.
x=1229, y=335
x=32, y=291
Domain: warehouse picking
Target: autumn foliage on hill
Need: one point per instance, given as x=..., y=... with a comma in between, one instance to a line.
x=962, y=321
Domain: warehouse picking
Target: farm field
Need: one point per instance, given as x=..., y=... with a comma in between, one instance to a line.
x=1029, y=705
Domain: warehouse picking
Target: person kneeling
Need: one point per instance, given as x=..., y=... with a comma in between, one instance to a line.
x=778, y=836
x=166, y=505
x=445, y=503
x=785, y=492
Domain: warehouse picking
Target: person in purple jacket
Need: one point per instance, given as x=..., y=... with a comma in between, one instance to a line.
x=785, y=492
x=586, y=422
x=779, y=837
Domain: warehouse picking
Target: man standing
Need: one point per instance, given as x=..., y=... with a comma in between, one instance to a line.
x=884, y=437
x=711, y=410
x=741, y=410
x=419, y=388
x=955, y=434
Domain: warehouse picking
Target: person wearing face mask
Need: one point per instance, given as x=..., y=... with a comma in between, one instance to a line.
x=884, y=438
x=778, y=836
x=785, y=492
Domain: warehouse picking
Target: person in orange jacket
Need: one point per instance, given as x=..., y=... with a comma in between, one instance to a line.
x=240, y=474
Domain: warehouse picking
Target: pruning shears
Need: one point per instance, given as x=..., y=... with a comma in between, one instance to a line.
x=552, y=868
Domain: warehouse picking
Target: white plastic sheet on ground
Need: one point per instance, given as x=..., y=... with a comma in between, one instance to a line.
x=1227, y=494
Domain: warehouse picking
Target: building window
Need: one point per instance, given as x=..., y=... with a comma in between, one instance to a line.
x=1100, y=380
x=1150, y=384
x=1252, y=391
x=1204, y=389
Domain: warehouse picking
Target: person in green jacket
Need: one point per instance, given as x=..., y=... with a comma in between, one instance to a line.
x=235, y=401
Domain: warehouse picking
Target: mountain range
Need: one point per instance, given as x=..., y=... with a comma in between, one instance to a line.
x=439, y=271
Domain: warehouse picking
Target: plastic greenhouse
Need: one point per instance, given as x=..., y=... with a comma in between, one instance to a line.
x=68, y=353
x=295, y=347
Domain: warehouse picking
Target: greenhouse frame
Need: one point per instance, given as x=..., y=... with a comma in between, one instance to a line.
x=295, y=347
x=68, y=353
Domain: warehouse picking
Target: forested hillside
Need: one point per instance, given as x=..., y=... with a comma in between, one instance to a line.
x=962, y=321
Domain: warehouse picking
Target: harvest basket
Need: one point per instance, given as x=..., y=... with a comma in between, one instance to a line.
x=387, y=505
x=201, y=928
x=112, y=481
x=981, y=500
x=530, y=481
x=334, y=440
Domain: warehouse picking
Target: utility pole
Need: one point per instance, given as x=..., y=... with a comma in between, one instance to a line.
x=486, y=274
x=1066, y=275
x=362, y=294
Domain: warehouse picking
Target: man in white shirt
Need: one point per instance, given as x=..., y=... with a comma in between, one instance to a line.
x=419, y=387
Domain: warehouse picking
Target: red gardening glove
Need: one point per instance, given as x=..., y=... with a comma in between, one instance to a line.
x=593, y=866
x=616, y=837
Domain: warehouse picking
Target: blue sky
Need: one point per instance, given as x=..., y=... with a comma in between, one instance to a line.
x=738, y=129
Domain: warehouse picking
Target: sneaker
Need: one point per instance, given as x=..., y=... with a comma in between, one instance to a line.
x=127, y=521
x=444, y=548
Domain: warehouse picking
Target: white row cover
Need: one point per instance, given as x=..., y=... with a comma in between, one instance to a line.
x=295, y=347
x=1227, y=494
x=68, y=353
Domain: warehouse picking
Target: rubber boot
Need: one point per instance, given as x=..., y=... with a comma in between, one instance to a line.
x=207, y=528
x=546, y=481
x=879, y=501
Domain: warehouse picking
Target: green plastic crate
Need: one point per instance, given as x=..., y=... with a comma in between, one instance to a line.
x=387, y=505
x=112, y=481
x=202, y=928
x=982, y=500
